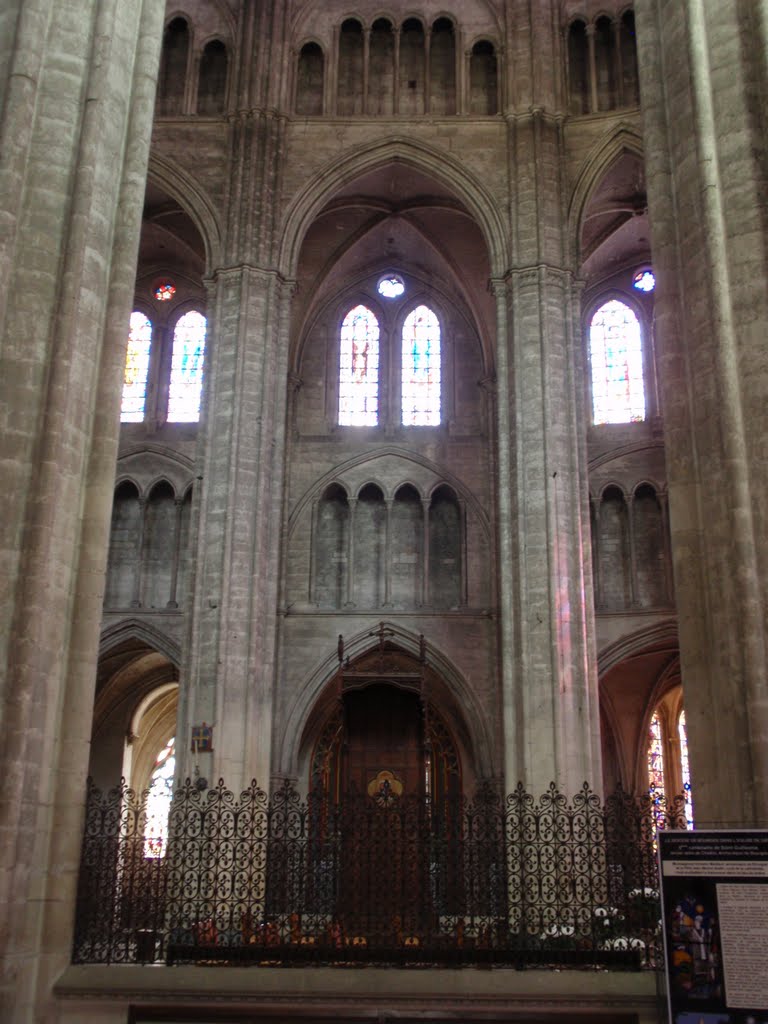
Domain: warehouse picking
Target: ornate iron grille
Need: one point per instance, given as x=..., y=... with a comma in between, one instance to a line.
x=291, y=880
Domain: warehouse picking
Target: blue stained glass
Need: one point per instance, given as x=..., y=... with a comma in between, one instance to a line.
x=616, y=352
x=656, y=769
x=359, y=369
x=644, y=281
x=136, y=369
x=685, y=770
x=187, y=369
x=421, y=369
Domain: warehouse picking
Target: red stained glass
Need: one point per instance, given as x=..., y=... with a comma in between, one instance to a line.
x=165, y=291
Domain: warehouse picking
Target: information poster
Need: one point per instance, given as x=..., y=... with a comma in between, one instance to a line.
x=714, y=894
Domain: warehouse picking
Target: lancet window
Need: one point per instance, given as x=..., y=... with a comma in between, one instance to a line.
x=359, y=369
x=150, y=392
x=616, y=357
x=363, y=343
x=669, y=777
x=136, y=368
x=158, y=805
x=421, y=369
x=685, y=768
x=187, y=368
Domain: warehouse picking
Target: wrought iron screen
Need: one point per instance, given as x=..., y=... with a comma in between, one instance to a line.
x=287, y=879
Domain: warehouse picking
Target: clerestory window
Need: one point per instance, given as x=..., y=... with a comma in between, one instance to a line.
x=359, y=369
x=421, y=369
x=150, y=389
x=616, y=357
x=186, y=384
x=411, y=352
x=136, y=368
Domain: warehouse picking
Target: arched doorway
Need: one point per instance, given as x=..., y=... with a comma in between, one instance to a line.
x=386, y=789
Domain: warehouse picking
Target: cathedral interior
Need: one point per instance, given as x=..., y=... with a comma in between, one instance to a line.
x=384, y=396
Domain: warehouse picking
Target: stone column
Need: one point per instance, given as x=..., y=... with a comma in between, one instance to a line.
x=549, y=675
x=231, y=646
x=351, y=573
x=548, y=660
x=78, y=100
x=702, y=68
x=231, y=655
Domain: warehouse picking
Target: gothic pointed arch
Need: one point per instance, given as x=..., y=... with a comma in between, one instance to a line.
x=619, y=140
x=342, y=170
x=167, y=175
x=458, y=703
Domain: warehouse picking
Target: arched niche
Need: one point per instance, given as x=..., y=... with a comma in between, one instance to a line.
x=392, y=684
x=349, y=94
x=442, y=68
x=578, y=68
x=614, y=551
x=159, y=546
x=212, y=79
x=445, y=535
x=172, y=77
x=650, y=548
x=381, y=63
x=412, y=98
x=153, y=724
x=407, y=548
x=638, y=672
x=330, y=545
x=370, y=548
x=122, y=586
x=483, y=79
x=310, y=77
x=131, y=668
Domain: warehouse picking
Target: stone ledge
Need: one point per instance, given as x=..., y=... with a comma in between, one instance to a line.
x=365, y=991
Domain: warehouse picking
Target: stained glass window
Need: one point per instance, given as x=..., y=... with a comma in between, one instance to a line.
x=421, y=369
x=656, y=768
x=391, y=287
x=685, y=770
x=165, y=291
x=136, y=369
x=644, y=280
x=359, y=369
x=616, y=351
x=187, y=369
x=158, y=804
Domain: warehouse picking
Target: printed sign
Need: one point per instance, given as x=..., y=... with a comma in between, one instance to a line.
x=714, y=891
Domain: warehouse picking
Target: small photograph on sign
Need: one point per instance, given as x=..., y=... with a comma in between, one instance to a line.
x=693, y=941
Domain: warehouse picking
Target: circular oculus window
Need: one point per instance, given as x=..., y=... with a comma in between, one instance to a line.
x=644, y=280
x=391, y=287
